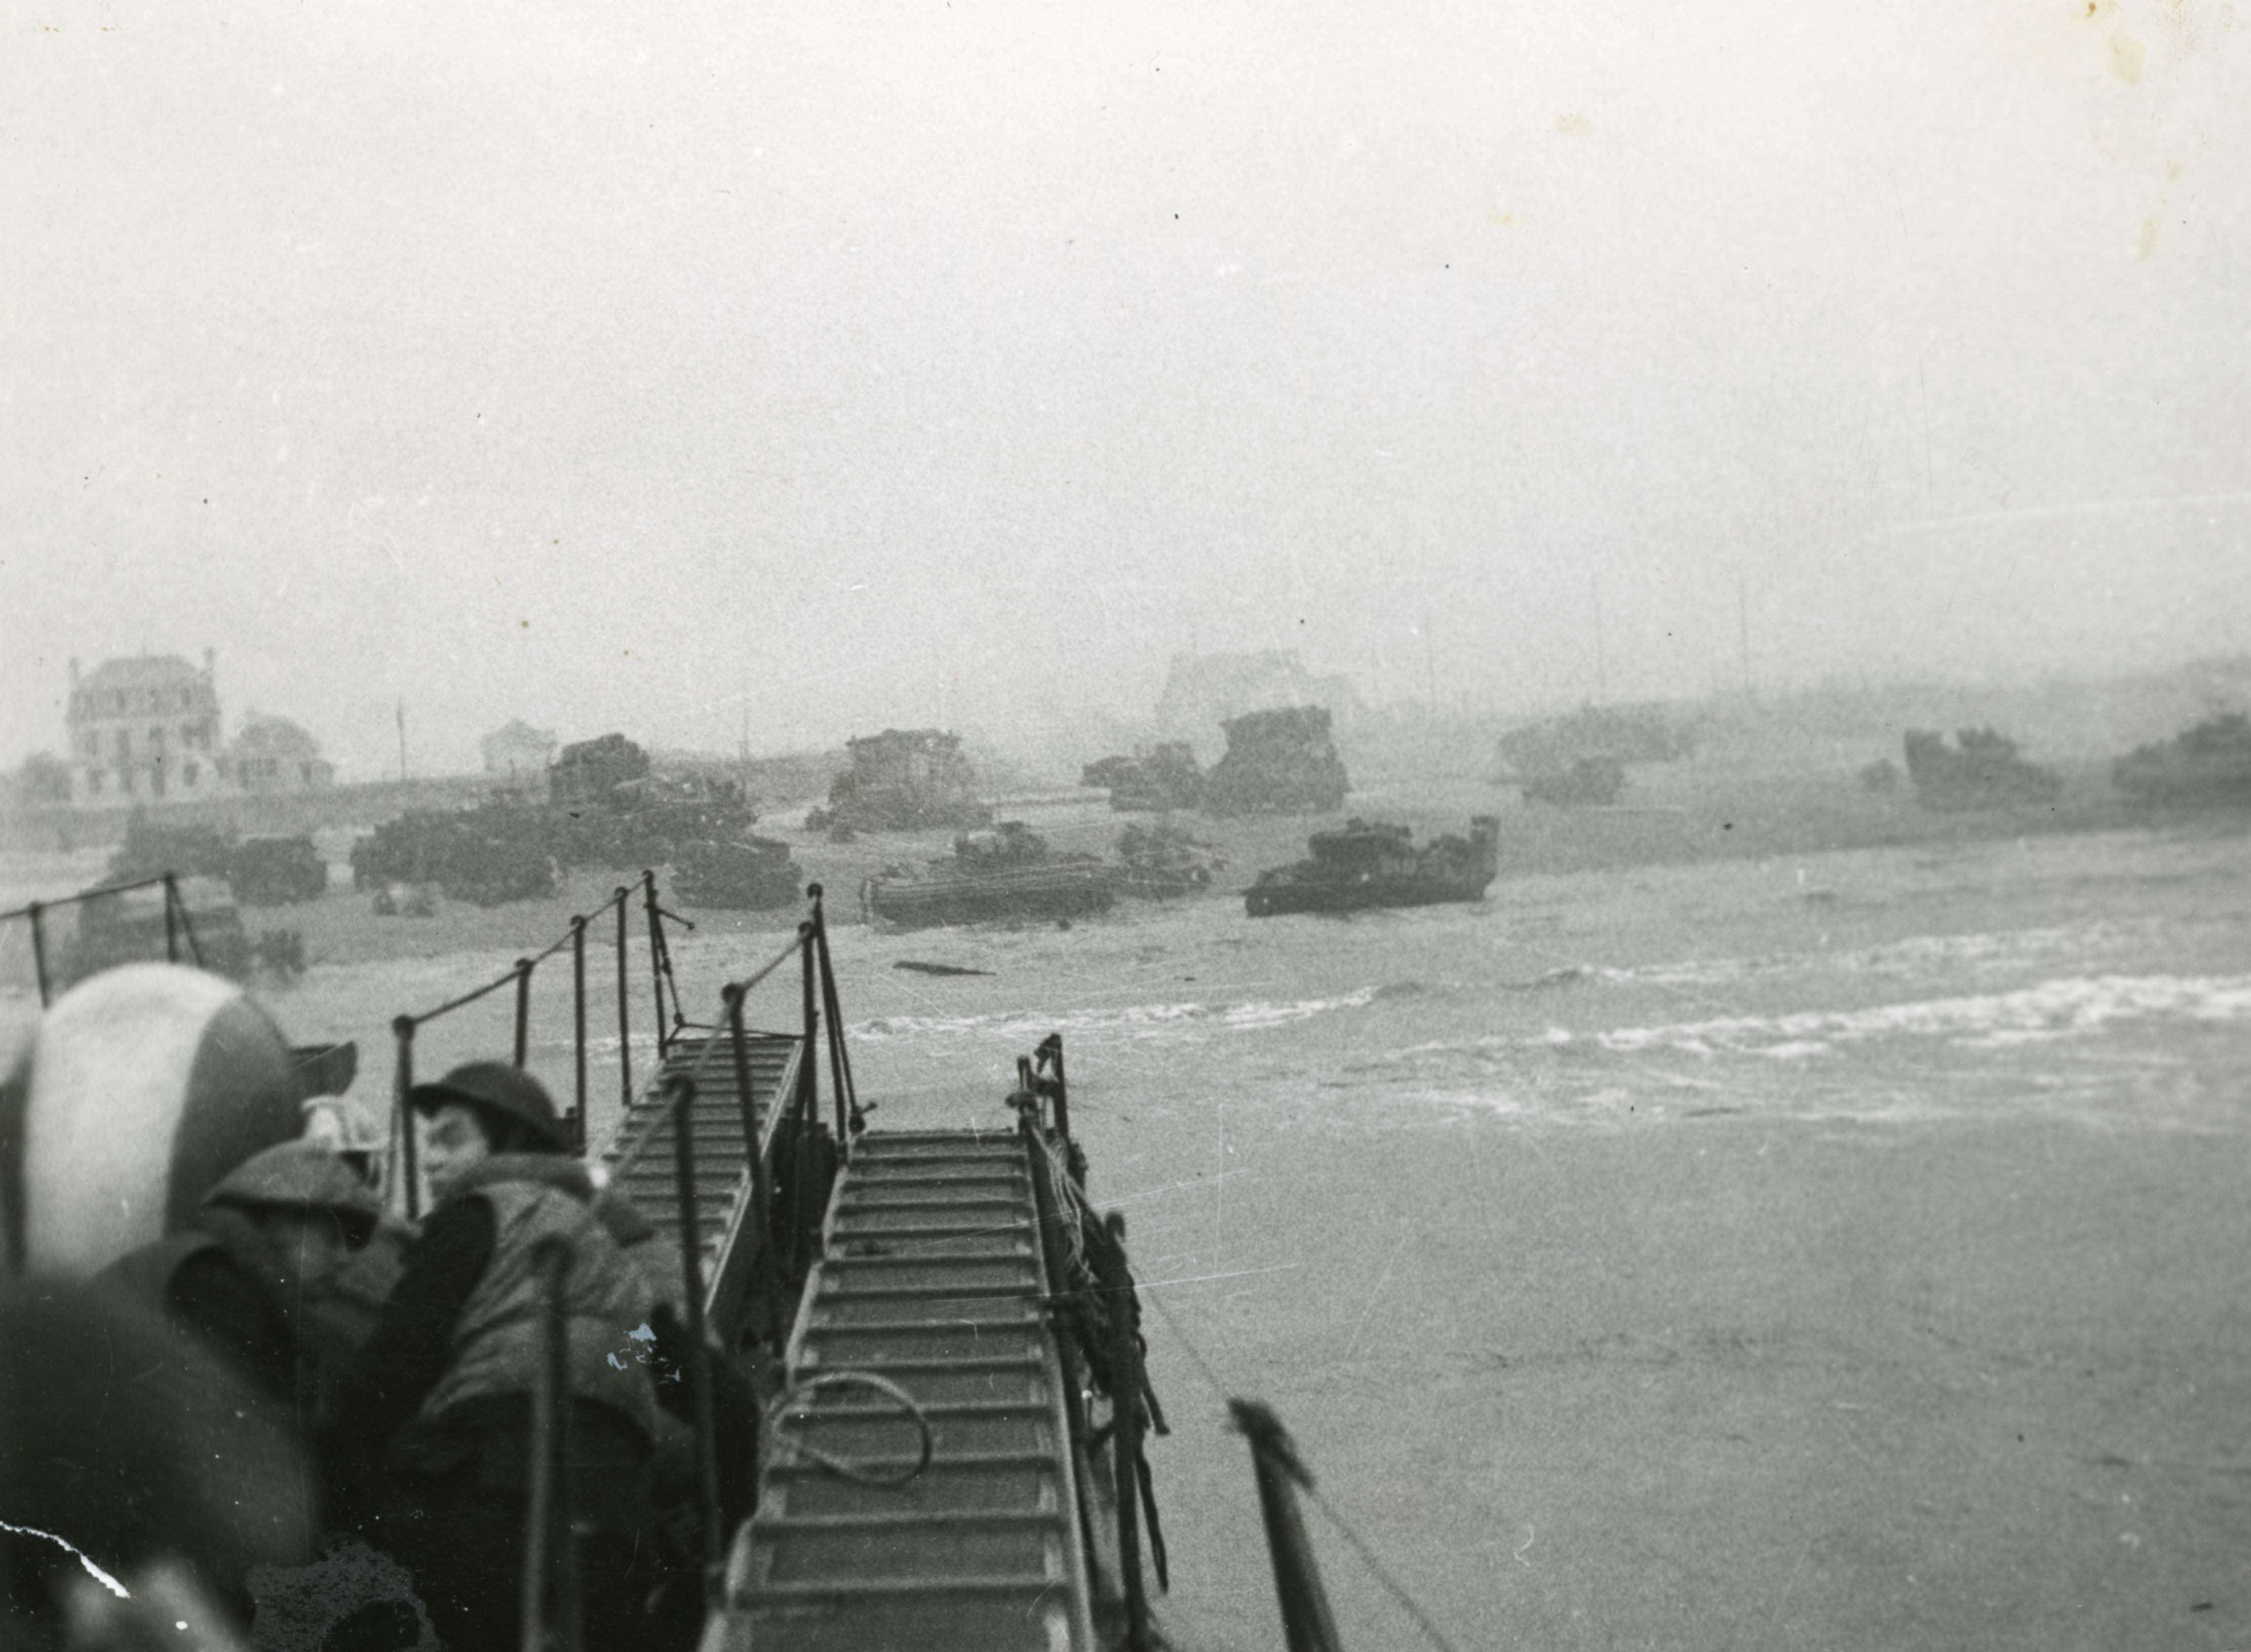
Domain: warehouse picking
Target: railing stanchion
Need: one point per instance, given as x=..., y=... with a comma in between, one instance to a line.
x=761, y=1172
x=840, y=1061
x=171, y=919
x=578, y=1028
x=808, y=1069
x=625, y=1030
x=36, y=913
x=402, y=1116
x=1050, y=1053
x=656, y=958
x=1307, y=1625
x=1126, y=1424
x=1045, y=1196
x=522, y=1010
x=681, y=1089
x=550, y=1555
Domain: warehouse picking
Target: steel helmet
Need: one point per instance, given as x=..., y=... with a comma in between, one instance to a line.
x=498, y=1089
x=300, y=1175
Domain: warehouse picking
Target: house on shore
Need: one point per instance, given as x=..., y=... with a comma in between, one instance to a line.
x=274, y=755
x=516, y=752
x=144, y=729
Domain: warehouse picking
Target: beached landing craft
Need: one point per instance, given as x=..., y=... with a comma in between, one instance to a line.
x=952, y=1454
x=1369, y=865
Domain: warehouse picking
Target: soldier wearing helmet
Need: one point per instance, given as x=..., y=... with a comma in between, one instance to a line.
x=437, y=1409
x=261, y=1250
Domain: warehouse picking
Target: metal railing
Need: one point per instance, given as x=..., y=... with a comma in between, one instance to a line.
x=1095, y=1312
x=179, y=931
x=406, y=1178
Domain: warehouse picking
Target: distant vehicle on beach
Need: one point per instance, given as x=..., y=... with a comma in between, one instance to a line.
x=749, y=873
x=1369, y=864
x=1589, y=780
x=2207, y=766
x=1980, y=770
x=1004, y=873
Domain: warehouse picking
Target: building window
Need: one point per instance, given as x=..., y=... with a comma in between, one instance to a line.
x=156, y=739
x=123, y=741
x=94, y=782
x=189, y=772
x=93, y=744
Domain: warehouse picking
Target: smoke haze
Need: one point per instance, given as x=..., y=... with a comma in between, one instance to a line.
x=790, y=371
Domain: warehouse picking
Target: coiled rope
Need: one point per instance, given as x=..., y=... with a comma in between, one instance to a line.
x=794, y=1397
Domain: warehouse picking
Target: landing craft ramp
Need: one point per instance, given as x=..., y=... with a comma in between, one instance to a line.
x=640, y=1156
x=930, y=1281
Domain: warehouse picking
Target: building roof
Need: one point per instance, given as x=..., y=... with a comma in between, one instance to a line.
x=275, y=736
x=140, y=671
x=515, y=731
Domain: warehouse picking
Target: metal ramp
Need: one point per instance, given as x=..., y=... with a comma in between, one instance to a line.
x=639, y=1159
x=930, y=1277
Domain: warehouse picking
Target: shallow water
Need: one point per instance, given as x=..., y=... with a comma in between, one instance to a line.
x=1639, y=1256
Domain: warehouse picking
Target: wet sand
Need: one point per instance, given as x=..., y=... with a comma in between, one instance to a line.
x=1724, y=1384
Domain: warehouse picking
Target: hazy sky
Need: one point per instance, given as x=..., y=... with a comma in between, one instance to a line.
x=653, y=367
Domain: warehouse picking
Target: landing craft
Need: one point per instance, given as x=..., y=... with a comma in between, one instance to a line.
x=1375, y=864
x=910, y=1368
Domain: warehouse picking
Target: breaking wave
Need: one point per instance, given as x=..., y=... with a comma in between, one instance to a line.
x=1131, y=1020
x=2048, y=1009
x=1918, y=956
x=2053, y=1009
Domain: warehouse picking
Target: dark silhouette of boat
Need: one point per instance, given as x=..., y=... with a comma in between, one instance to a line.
x=1008, y=873
x=1980, y=770
x=1371, y=864
x=2207, y=766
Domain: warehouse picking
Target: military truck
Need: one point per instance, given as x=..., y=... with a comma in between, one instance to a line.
x=1277, y=762
x=1980, y=770
x=277, y=871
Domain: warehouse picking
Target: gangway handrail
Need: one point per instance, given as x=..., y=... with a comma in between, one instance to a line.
x=178, y=925
x=407, y=1180
x=34, y=907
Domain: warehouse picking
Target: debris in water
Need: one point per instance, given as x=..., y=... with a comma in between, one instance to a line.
x=936, y=968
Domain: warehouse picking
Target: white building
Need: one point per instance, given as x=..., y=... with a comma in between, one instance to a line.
x=518, y=751
x=144, y=729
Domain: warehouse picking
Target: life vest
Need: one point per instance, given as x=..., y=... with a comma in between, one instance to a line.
x=499, y=1345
